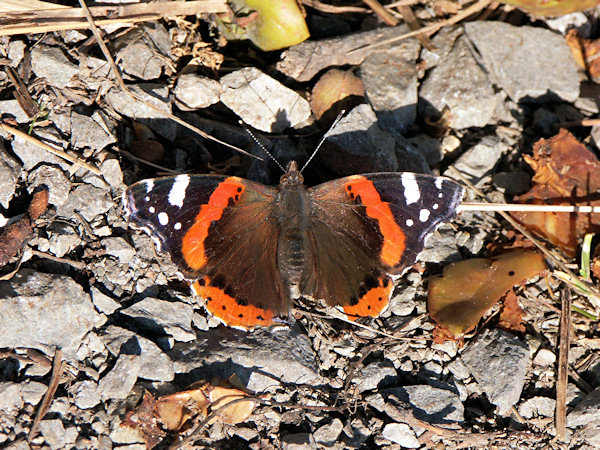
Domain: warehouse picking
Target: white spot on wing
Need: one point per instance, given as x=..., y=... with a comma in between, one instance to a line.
x=151, y=210
x=424, y=215
x=146, y=198
x=439, y=182
x=163, y=218
x=411, y=188
x=177, y=226
x=149, y=185
x=177, y=192
x=409, y=222
x=435, y=206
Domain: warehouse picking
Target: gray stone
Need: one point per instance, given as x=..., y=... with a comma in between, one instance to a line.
x=429, y=147
x=513, y=183
x=498, y=361
x=112, y=173
x=85, y=394
x=31, y=155
x=377, y=375
x=103, y=302
x=32, y=392
x=402, y=434
x=544, y=358
x=460, y=84
x=263, y=102
x=13, y=108
x=327, y=435
x=433, y=405
x=119, y=248
x=479, y=161
x=16, y=52
x=140, y=60
x=357, y=144
x=90, y=131
x=196, y=92
x=537, y=407
x=87, y=200
x=52, y=64
x=45, y=311
x=154, y=93
x=441, y=246
x=511, y=55
x=298, y=441
x=119, y=382
x=63, y=242
x=10, y=171
x=54, y=179
x=585, y=411
x=261, y=359
x=390, y=80
x=174, y=318
x=53, y=432
x=154, y=364
x=11, y=400
x=587, y=437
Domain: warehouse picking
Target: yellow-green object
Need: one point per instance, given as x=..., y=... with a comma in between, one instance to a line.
x=552, y=8
x=270, y=25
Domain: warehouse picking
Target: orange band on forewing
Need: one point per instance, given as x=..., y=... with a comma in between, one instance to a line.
x=223, y=306
x=373, y=302
x=393, y=238
x=192, y=244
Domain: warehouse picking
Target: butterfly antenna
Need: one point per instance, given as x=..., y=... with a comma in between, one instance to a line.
x=325, y=136
x=260, y=145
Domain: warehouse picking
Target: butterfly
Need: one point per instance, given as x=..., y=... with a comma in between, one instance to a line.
x=249, y=249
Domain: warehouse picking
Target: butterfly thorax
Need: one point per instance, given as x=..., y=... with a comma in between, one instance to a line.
x=294, y=218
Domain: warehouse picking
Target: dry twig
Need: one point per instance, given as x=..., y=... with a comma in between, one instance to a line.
x=563, y=364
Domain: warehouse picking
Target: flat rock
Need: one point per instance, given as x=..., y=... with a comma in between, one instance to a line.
x=376, y=375
x=357, y=144
x=154, y=363
x=402, y=434
x=33, y=391
x=174, y=318
x=11, y=400
x=53, y=432
x=87, y=200
x=511, y=55
x=52, y=64
x=498, y=361
x=45, y=311
x=459, y=83
x=433, y=405
x=479, y=161
x=90, y=131
x=85, y=394
x=119, y=382
x=298, y=441
x=112, y=173
x=10, y=171
x=119, y=248
x=32, y=155
x=263, y=102
x=103, y=302
x=195, y=91
x=327, y=435
x=54, y=179
x=586, y=411
x=390, y=80
x=261, y=359
x=12, y=108
x=537, y=407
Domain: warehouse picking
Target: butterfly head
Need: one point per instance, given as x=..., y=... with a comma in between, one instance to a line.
x=292, y=175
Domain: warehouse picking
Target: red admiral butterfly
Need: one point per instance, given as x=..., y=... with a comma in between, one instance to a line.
x=249, y=249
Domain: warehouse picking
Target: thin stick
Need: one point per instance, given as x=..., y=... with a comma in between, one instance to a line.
x=57, y=18
x=54, y=151
x=117, y=74
x=466, y=206
x=57, y=371
x=560, y=418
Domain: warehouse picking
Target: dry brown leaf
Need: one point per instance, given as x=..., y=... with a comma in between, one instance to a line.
x=511, y=316
x=468, y=289
x=566, y=172
x=552, y=7
x=585, y=52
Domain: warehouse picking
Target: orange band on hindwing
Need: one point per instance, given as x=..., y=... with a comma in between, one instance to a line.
x=226, y=308
x=192, y=244
x=362, y=190
x=373, y=302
